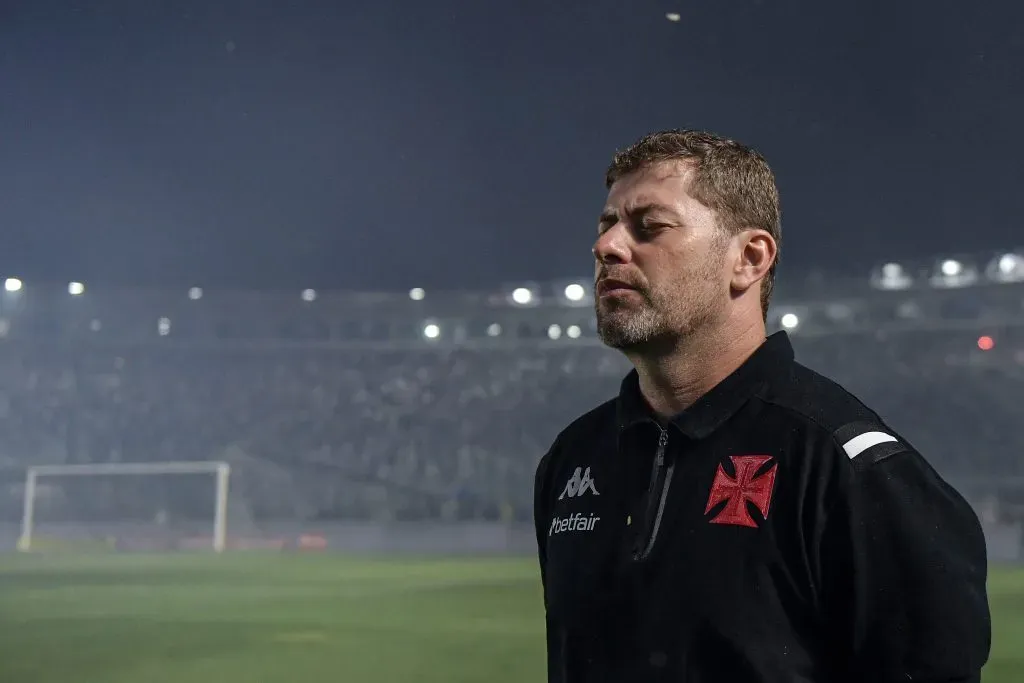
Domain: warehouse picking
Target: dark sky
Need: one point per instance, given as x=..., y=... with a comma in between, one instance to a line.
x=463, y=142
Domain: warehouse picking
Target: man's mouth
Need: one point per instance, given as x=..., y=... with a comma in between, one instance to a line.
x=612, y=287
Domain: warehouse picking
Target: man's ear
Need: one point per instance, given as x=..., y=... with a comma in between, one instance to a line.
x=755, y=256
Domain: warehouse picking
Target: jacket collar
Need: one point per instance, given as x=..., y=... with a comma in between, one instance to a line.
x=769, y=362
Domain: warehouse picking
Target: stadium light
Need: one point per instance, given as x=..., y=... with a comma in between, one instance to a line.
x=309, y=295
x=554, y=332
x=431, y=331
x=892, y=271
x=573, y=331
x=195, y=293
x=493, y=330
x=575, y=292
x=1009, y=263
x=417, y=294
x=951, y=267
x=954, y=273
x=1007, y=268
x=789, y=320
x=891, y=276
x=522, y=296
x=12, y=284
x=163, y=326
x=76, y=288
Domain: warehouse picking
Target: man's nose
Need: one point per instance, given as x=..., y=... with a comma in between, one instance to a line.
x=612, y=246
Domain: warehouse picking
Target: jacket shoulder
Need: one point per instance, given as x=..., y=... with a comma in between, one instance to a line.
x=836, y=414
x=818, y=399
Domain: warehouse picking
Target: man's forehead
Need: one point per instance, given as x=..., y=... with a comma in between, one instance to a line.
x=642, y=202
x=662, y=184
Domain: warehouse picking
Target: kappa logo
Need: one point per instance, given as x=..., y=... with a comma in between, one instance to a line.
x=736, y=491
x=578, y=484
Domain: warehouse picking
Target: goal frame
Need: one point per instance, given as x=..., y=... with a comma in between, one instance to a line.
x=221, y=469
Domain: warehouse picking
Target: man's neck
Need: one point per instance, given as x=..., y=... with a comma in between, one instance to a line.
x=672, y=382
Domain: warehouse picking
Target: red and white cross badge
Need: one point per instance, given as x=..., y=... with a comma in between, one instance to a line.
x=736, y=491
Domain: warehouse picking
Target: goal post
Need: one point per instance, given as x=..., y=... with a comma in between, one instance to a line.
x=221, y=470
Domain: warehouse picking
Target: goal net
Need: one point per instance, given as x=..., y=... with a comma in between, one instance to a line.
x=125, y=506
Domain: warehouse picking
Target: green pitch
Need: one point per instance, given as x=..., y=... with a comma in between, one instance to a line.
x=304, y=619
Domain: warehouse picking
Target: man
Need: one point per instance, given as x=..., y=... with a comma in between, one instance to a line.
x=733, y=516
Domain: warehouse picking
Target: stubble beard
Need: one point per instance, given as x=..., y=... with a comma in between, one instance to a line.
x=629, y=325
x=663, y=318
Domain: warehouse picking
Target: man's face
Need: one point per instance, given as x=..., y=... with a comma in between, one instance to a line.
x=660, y=260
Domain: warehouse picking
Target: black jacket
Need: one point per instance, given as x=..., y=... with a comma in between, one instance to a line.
x=776, y=532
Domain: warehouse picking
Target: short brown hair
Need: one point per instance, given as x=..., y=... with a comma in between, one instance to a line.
x=731, y=178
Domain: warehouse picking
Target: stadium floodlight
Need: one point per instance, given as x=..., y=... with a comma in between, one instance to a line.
x=309, y=295
x=1007, y=268
x=673, y=16
x=951, y=267
x=573, y=331
x=12, y=284
x=163, y=326
x=891, y=276
x=431, y=330
x=76, y=288
x=195, y=293
x=954, y=273
x=789, y=320
x=575, y=292
x=221, y=470
x=522, y=295
x=493, y=330
x=892, y=271
x=417, y=294
x=554, y=332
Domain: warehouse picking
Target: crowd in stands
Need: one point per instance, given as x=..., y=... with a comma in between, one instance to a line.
x=436, y=432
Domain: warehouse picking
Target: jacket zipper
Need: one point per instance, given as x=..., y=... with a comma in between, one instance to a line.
x=656, y=497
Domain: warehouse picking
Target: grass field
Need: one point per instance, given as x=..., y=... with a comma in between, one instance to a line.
x=304, y=619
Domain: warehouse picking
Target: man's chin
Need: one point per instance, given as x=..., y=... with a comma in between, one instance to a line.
x=624, y=344
x=617, y=343
x=619, y=336
x=630, y=331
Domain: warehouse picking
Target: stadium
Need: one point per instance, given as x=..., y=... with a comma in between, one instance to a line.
x=293, y=485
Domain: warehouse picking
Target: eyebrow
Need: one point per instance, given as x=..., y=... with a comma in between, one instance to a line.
x=610, y=215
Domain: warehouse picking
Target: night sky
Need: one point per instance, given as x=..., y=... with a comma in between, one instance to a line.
x=462, y=143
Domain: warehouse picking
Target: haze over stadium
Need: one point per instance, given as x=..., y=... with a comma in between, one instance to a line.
x=294, y=299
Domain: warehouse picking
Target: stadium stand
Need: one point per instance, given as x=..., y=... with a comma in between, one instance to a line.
x=340, y=407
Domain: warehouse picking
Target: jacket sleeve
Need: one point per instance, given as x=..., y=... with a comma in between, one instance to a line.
x=905, y=564
x=541, y=517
